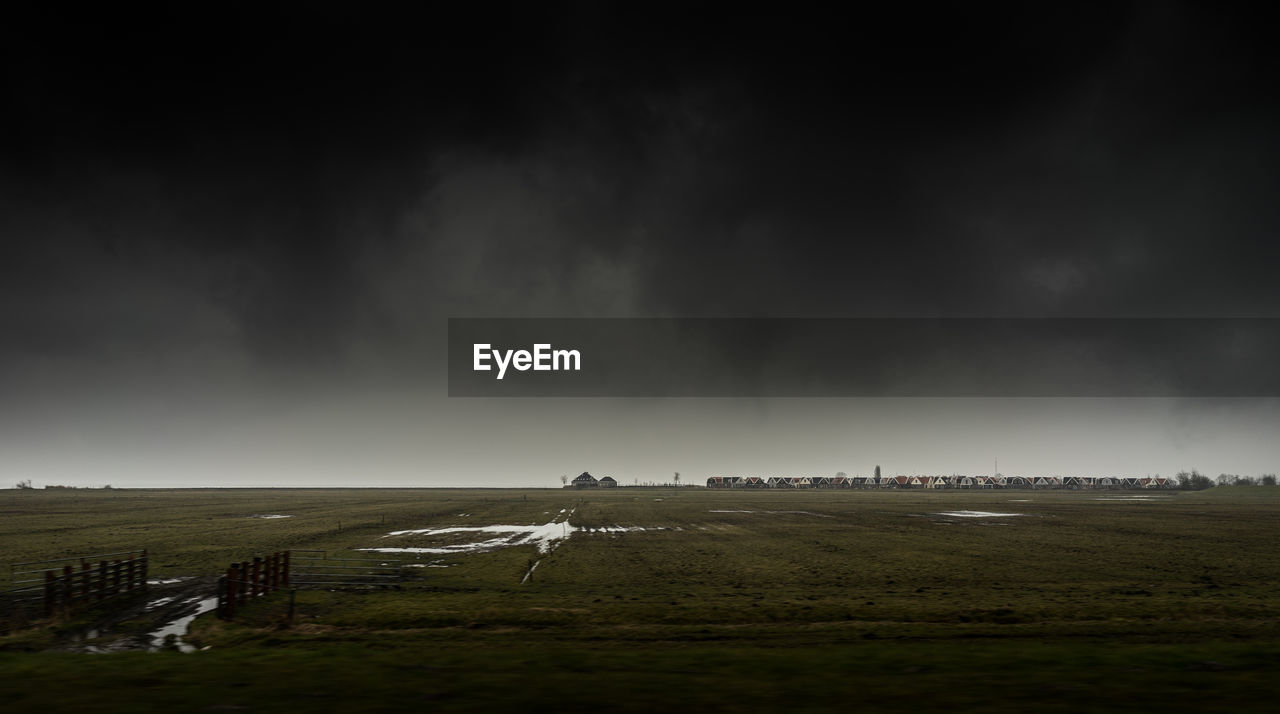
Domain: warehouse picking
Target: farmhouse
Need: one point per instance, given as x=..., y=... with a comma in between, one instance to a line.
x=608, y=482
x=586, y=480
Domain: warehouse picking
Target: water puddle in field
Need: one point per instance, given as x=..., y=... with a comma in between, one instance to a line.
x=1148, y=499
x=178, y=627
x=159, y=603
x=145, y=624
x=529, y=574
x=545, y=537
x=269, y=515
x=976, y=514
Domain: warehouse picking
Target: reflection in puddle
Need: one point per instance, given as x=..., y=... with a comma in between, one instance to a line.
x=159, y=603
x=545, y=536
x=976, y=514
x=529, y=574
x=178, y=627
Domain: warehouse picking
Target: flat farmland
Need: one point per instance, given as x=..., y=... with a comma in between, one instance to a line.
x=640, y=599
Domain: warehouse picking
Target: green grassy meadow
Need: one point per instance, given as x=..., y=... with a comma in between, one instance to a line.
x=726, y=601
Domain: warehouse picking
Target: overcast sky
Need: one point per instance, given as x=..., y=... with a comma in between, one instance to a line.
x=230, y=239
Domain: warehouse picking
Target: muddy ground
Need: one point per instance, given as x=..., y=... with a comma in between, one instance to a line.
x=142, y=622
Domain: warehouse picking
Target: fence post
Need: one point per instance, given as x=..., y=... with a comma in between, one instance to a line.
x=84, y=579
x=257, y=577
x=102, y=580
x=67, y=576
x=244, y=586
x=221, y=607
x=50, y=592
x=233, y=590
x=286, y=568
x=129, y=564
x=142, y=581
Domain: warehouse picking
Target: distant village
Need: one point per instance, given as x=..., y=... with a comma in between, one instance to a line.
x=1192, y=480
x=944, y=482
x=586, y=480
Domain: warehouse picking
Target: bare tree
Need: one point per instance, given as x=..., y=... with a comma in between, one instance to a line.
x=677, y=478
x=1193, y=481
x=25, y=484
x=564, y=479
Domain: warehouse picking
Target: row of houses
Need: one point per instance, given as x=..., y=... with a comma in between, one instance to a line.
x=942, y=482
x=586, y=480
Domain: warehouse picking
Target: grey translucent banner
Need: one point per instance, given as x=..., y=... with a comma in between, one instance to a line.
x=703, y=357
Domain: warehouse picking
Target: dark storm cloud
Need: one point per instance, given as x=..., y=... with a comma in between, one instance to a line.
x=232, y=235
x=297, y=186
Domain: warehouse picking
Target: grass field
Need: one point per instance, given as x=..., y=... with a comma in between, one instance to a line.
x=725, y=601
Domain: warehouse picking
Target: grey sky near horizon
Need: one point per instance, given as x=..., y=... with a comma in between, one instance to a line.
x=230, y=263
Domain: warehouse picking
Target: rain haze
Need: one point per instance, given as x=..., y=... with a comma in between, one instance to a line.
x=229, y=250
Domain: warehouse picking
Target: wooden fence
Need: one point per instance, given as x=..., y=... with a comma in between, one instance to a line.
x=64, y=584
x=250, y=579
x=295, y=570
x=315, y=568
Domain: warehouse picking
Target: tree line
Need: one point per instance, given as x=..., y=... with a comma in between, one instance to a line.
x=1195, y=481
